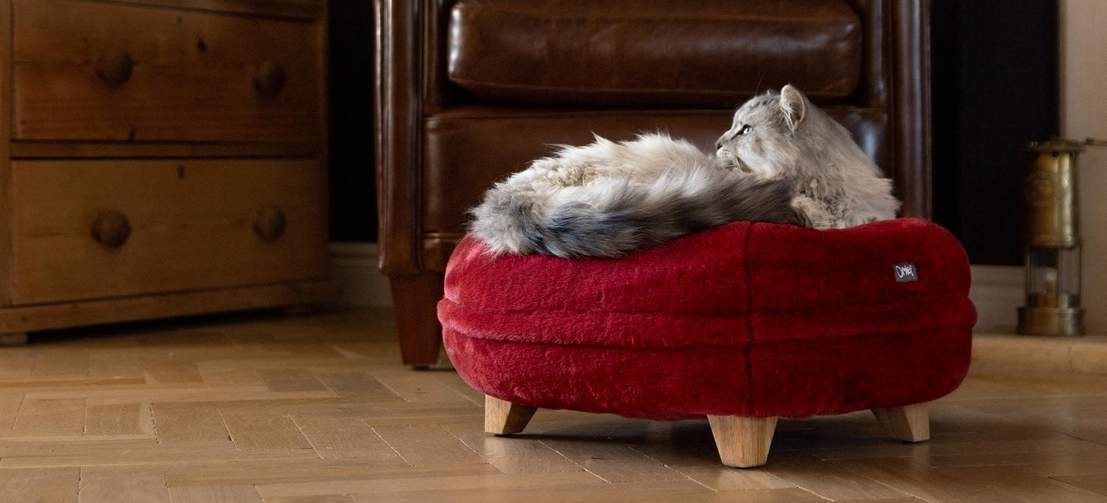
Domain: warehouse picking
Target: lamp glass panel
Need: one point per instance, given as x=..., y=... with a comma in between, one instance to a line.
x=1053, y=277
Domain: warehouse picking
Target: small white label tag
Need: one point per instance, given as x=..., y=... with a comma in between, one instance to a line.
x=906, y=272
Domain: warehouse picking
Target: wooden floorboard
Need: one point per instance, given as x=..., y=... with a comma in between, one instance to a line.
x=261, y=408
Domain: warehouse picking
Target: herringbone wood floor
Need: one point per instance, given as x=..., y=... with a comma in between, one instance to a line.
x=317, y=409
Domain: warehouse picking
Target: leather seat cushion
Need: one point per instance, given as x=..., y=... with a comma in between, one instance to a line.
x=656, y=52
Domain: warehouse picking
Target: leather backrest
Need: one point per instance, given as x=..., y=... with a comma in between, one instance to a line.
x=655, y=53
x=438, y=93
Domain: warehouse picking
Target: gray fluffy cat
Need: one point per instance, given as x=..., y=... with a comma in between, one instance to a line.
x=783, y=161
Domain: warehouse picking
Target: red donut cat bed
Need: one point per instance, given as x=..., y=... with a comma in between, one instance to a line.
x=742, y=323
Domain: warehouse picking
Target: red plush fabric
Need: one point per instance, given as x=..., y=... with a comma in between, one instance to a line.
x=745, y=319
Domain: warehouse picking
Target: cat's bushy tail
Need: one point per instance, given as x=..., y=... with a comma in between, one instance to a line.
x=608, y=218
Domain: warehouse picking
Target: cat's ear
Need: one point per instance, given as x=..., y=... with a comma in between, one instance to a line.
x=793, y=105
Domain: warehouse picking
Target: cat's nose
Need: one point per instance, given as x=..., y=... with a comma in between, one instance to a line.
x=718, y=144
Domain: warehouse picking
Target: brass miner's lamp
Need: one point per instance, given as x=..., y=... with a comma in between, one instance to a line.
x=1052, y=241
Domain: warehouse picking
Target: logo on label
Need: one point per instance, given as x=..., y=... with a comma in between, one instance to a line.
x=906, y=272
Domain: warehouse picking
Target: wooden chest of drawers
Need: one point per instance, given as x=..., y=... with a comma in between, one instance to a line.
x=159, y=158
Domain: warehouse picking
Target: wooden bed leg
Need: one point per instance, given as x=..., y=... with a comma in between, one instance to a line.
x=505, y=418
x=910, y=423
x=743, y=442
x=18, y=339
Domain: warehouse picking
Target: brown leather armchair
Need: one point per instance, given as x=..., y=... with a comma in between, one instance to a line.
x=468, y=91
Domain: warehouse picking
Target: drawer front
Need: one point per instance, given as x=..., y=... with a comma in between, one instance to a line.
x=97, y=229
x=108, y=71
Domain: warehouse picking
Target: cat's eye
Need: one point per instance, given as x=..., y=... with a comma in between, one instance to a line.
x=745, y=129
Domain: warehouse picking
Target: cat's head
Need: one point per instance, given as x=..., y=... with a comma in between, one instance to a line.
x=769, y=130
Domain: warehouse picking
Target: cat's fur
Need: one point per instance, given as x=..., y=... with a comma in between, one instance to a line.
x=793, y=164
x=607, y=198
x=835, y=183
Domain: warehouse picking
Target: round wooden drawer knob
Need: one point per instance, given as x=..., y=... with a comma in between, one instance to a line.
x=111, y=229
x=270, y=79
x=114, y=67
x=269, y=223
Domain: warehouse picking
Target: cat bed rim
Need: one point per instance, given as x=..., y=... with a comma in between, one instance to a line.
x=531, y=315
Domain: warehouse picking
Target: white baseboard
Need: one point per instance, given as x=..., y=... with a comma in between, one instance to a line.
x=997, y=292
x=353, y=268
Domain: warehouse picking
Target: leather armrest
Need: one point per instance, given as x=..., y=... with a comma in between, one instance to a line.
x=896, y=77
x=398, y=116
x=410, y=83
x=910, y=106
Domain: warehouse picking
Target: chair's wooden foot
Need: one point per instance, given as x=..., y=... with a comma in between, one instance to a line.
x=910, y=423
x=414, y=303
x=17, y=339
x=505, y=418
x=743, y=442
